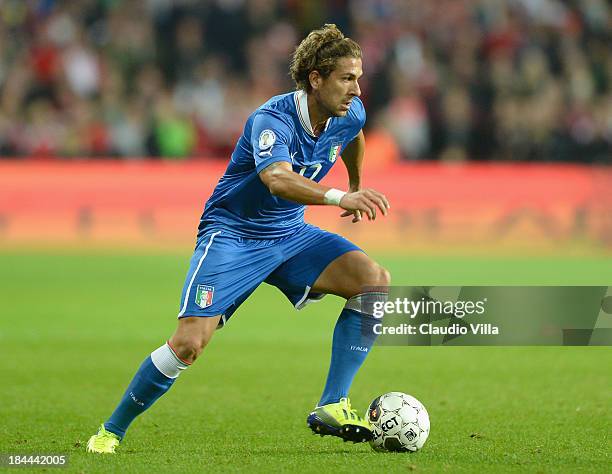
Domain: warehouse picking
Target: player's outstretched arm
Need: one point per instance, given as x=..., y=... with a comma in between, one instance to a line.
x=283, y=182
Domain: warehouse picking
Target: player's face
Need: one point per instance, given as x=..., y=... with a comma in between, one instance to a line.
x=335, y=92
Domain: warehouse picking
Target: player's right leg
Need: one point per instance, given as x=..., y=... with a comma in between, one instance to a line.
x=224, y=271
x=155, y=376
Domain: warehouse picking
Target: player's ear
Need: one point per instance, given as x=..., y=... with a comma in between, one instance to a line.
x=315, y=79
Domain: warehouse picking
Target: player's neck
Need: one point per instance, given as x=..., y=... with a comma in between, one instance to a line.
x=318, y=117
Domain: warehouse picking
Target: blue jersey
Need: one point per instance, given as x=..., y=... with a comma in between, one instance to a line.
x=279, y=130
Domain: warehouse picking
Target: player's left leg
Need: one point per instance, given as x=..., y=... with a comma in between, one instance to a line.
x=356, y=277
x=327, y=263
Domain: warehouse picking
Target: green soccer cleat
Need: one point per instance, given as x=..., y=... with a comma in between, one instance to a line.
x=103, y=442
x=339, y=419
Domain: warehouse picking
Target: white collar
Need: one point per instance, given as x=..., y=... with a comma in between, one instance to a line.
x=301, y=105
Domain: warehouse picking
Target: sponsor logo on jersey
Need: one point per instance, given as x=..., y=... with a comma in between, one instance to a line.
x=204, y=296
x=334, y=151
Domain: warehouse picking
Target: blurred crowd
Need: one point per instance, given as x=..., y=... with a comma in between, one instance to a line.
x=527, y=80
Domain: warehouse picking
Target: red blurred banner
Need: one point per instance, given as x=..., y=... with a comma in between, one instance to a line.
x=434, y=205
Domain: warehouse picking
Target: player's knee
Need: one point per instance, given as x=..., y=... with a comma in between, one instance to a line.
x=375, y=275
x=192, y=335
x=384, y=277
x=189, y=348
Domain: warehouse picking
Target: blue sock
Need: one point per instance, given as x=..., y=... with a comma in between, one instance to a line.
x=147, y=386
x=353, y=338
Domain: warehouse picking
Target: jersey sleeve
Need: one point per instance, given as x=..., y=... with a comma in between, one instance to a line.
x=270, y=139
x=358, y=117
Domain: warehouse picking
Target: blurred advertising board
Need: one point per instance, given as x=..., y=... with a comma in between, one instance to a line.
x=435, y=206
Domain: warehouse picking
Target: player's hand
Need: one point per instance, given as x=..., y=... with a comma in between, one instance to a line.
x=356, y=215
x=364, y=201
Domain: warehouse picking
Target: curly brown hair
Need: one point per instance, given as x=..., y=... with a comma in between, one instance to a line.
x=320, y=51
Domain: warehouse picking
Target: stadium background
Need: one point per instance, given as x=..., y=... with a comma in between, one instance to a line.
x=97, y=97
x=489, y=128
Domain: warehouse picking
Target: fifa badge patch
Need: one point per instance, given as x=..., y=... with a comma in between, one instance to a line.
x=334, y=151
x=266, y=141
x=204, y=296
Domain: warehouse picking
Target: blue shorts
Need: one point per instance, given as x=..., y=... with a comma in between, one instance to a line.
x=225, y=269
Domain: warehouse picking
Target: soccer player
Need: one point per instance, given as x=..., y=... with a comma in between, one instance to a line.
x=252, y=230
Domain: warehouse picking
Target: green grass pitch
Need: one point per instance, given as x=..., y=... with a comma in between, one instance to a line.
x=75, y=326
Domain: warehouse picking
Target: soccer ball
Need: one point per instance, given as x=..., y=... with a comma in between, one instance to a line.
x=399, y=421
